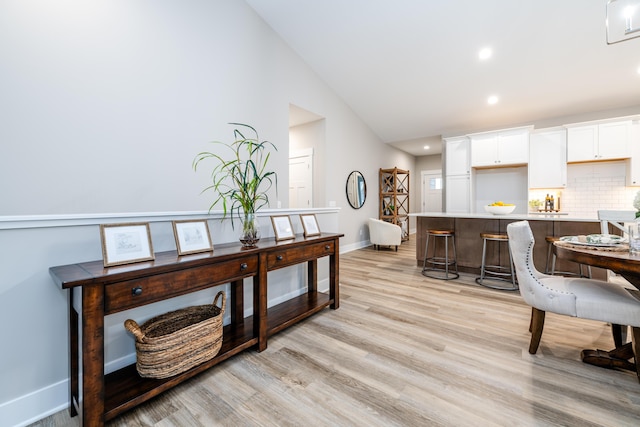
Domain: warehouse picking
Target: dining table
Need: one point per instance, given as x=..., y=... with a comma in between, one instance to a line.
x=619, y=260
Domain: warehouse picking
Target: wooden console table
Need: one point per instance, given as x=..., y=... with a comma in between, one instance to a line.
x=96, y=291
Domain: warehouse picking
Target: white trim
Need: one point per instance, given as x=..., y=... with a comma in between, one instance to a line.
x=44, y=402
x=306, y=152
x=73, y=220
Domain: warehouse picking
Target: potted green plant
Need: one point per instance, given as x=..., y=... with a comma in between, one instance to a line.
x=241, y=179
x=535, y=205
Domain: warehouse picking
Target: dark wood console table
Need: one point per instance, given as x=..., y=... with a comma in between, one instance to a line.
x=96, y=291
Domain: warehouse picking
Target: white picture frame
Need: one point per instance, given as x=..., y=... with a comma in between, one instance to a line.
x=282, y=227
x=310, y=225
x=126, y=243
x=192, y=236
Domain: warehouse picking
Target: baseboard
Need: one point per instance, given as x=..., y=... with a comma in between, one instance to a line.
x=36, y=405
x=354, y=246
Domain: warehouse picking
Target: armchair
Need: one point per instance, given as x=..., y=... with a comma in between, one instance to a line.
x=382, y=233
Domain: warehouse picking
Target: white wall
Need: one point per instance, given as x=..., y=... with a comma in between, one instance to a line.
x=104, y=106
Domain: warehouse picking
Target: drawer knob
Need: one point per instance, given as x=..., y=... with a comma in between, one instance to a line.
x=279, y=257
x=243, y=266
x=136, y=291
x=327, y=247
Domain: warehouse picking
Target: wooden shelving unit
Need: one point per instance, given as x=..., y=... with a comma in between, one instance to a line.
x=394, y=198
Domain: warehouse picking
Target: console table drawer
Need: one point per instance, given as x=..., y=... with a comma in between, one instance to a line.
x=136, y=292
x=291, y=256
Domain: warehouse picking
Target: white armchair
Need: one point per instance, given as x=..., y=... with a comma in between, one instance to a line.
x=382, y=233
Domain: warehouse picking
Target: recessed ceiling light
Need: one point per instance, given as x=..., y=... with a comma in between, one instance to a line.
x=638, y=70
x=426, y=147
x=485, y=53
x=492, y=100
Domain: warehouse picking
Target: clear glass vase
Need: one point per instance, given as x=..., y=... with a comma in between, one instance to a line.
x=250, y=234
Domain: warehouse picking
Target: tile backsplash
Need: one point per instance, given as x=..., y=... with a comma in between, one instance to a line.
x=594, y=186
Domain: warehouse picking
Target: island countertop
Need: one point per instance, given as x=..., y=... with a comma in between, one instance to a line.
x=512, y=217
x=467, y=228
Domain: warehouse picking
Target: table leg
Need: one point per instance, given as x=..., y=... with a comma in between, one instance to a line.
x=635, y=339
x=92, y=356
x=616, y=358
x=73, y=357
x=237, y=302
x=334, y=276
x=260, y=324
x=312, y=276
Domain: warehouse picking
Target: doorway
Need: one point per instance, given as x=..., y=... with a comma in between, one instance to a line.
x=431, y=200
x=301, y=179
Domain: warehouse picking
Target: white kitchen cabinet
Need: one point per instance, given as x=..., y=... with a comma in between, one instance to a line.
x=458, y=193
x=457, y=175
x=548, y=159
x=457, y=156
x=501, y=148
x=633, y=164
x=595, y=142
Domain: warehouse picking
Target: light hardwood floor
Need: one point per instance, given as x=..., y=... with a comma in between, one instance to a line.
x=404, y=350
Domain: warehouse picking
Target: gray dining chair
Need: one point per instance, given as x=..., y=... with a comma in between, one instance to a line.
x=572, y=296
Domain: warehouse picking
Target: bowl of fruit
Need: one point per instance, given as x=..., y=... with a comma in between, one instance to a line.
x=500, y=208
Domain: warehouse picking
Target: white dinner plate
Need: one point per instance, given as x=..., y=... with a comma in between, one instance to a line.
x=602, y=240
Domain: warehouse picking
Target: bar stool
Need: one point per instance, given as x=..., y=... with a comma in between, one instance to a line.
x=496, y=273
x=438, y=267
x=552, y=257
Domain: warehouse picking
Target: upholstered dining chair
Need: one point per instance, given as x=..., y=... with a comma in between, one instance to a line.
x=571, y=296
x=615, y=218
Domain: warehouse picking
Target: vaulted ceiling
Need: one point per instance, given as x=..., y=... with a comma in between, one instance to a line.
x=411, y=68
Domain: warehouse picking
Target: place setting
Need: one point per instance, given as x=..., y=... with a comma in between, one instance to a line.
x=600, y=242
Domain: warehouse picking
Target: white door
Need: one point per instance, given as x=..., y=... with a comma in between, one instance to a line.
x=301, y=180
x=431, y=191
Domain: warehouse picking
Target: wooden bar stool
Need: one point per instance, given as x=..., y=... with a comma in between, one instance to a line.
x=551, y=257
x=492, y=275
x=439, y=267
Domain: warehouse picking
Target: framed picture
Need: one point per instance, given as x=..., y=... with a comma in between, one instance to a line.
x=126, y=243
x=310, y=225
x=192, y=236
x=282, y=227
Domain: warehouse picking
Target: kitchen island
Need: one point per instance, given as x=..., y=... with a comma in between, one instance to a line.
x=468, y=243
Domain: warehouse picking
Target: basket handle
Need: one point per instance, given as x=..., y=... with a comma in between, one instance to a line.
x=224, y=300
x=132, y=326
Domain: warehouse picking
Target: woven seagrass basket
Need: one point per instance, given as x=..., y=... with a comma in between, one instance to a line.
x=175, y=342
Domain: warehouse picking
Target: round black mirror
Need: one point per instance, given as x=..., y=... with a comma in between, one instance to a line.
x=356, y=189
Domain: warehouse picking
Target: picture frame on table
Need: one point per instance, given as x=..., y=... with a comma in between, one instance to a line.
x=310, y=225
x=126, y=243
x=192, y=236
x=282, y=227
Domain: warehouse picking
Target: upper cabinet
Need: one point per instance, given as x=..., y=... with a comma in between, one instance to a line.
x=501, y=148
x=548, y=159
x=457, y=158
x=633, y=164
x=596, y=142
